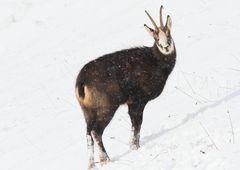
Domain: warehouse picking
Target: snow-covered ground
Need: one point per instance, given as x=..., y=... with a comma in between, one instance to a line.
x=194, y=124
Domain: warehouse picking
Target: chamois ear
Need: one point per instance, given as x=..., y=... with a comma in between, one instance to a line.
x=150, y=30
x=169, y=23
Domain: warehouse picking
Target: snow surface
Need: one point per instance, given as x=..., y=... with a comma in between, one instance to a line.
x=194, y=124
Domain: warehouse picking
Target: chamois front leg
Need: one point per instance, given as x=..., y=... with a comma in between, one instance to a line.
x=136, y=114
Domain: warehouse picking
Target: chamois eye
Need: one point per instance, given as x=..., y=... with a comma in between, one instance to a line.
x=167, y=33
x=169, y=40
x=156, y=37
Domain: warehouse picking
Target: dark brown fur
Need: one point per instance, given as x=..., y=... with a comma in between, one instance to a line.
x=133, y=76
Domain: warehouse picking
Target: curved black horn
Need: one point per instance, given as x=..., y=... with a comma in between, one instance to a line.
x=153, y=22
x=161, y=19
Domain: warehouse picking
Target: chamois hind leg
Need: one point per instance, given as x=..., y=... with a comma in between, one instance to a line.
x=104, y=116
x=90, y=118
x=90, y=147
x=135, y=111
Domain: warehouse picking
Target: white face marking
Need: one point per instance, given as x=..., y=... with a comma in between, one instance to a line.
x=167, y=49
x=162, y=39
x=163, y=44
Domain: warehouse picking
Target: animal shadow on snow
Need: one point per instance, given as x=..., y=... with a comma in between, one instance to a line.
x=188, y=117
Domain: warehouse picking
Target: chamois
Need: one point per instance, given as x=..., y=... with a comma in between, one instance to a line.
x=132, y=76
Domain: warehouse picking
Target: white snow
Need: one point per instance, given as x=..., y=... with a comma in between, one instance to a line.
x=194, y=124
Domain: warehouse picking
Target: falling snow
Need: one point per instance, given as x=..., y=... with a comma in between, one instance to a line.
x=194, y=124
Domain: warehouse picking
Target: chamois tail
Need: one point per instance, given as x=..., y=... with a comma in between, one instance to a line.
x=79, y=91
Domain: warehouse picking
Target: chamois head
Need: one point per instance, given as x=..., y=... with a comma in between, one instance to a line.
x=162, y=34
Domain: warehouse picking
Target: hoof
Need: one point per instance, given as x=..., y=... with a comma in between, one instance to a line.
x=91, y=166
x=134, y=147
x=104, y=161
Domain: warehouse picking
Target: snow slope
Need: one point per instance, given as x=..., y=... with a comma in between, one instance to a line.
x=194, y=124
